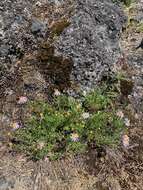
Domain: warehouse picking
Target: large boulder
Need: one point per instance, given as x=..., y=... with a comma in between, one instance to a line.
x=92, y=40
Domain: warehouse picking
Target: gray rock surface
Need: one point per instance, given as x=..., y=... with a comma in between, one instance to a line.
x=92, y=40
x=5, y=184
x=23, y=25
x=37, y=26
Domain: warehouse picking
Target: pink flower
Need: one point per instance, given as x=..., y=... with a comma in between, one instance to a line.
x=22, y=100
x=120, y=114
x=16, y=125
x=74, y=137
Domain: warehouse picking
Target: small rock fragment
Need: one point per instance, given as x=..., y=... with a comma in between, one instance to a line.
x=127, y=122
x=4, y=183
x=125, y=141
x=37, y=26
x=136, y=116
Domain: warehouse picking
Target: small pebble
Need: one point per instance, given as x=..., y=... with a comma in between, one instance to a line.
x=37, y=26
x=125, y=141
x=136, y=116
x=127, y=122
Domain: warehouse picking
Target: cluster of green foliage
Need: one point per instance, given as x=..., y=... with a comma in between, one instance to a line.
x=139, y=27
x=59, y=128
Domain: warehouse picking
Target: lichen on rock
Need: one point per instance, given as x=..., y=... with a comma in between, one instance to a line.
x=92, y=40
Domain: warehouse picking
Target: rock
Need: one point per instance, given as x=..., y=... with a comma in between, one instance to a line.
x=113, y=183
x=56, y=2
x=37, y=26
x=92, y=40
x=4, y=120
x=5, y=184
x=110, y=182
x=4, y=50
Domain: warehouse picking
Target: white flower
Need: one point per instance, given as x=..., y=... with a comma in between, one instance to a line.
x=84, y=93
x=22, y=100
x=120, y=114
x=127, y=122
x=57, y=92
x=74, y=137
x=85, y=115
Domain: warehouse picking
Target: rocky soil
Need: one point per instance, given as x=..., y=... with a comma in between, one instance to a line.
x=87, y=41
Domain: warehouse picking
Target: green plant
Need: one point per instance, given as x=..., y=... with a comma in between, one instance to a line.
x=126, y=2
x=97, y=100
x=105, y=127
x=139, y=27
x=49, y=129
x=60, y=128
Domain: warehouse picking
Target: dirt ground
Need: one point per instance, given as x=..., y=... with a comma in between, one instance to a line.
x=120, y=169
